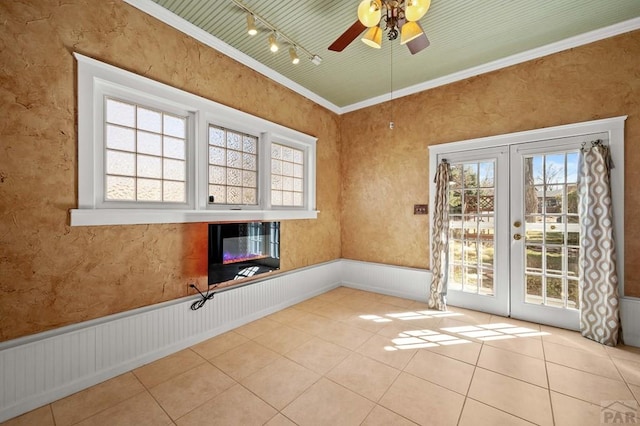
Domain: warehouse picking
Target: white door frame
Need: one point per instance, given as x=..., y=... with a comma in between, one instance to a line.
x=613, y=126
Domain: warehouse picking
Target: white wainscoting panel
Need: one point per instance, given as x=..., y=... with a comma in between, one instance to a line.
x=396, y=281
x=630, y=316
x=42, y=368
x=39, y=369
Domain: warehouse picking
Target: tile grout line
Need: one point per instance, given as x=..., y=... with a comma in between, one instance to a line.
x=466, y=395
x=546, y=371
x=624, y=379
x=148, y=390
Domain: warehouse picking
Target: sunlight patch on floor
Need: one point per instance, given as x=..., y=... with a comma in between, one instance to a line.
x=418, y=339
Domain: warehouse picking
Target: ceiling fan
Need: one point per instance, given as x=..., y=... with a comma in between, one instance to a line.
x=396, y=17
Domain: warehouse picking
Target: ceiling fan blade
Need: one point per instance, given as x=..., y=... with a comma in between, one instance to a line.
x=418, y=43
x=347, y=37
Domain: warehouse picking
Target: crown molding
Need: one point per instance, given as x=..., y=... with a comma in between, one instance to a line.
x=549, y=49
x=153, y=9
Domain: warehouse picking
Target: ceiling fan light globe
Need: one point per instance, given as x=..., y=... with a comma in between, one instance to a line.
x=370, y=12
x=410, y=31
x=373, y=37
x=416, y=9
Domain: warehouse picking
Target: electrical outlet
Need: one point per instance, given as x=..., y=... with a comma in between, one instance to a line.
x=420, y=209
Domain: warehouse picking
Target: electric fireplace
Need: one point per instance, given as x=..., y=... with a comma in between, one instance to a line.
x=242, y=250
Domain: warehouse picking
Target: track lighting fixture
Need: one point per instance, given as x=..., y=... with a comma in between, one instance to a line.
x=255, y=22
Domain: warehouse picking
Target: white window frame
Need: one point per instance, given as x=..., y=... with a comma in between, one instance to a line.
x=97, y=80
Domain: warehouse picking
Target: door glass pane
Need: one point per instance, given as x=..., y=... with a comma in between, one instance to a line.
x=533, y=259
x=555, y=294
x=573, y=294
x=471, y=280
x=534, y=289
x=552, y=232
x=471, y=227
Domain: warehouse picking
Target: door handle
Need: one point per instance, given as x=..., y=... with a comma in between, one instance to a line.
x=517, y=237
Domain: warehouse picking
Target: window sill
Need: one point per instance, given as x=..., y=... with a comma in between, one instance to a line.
x=98, y=217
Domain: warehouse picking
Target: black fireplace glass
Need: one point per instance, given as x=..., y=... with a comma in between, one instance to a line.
x=242, y=250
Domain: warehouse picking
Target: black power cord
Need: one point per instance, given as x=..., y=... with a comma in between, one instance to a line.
x=200, y=302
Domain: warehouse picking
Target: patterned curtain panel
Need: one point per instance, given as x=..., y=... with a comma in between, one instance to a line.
x=599, y=302
x=440, y=239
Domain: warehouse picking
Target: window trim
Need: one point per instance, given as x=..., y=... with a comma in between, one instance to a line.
x=96, y=78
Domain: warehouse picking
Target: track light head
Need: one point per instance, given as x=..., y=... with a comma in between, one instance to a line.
x=273, y=44
x=293, y=54
x=251, y=25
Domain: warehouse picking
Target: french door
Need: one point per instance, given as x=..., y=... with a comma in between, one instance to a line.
x=514, y=230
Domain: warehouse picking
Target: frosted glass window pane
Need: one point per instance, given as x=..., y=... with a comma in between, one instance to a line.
x=121, y=113
x=175, y=126
x=120, y=138
x=233, y=165
x=155, y=148
x=217, y=175
x=287, y=168
x=217, y=156
x=234, y=159
x=149, y=190
x=234, y=177
x=150, y=167
x=287, y=153
x=173, y=192
x=149, y=143
x=149, y=120
x=216, y=136
x=276, y=167
x=298, y=157
x=297, y=170
x=276, y=198
x=174, y=148
x=249, y=196
x=276, y=182
x=249, y=144
x=234, y=141
x=276, y=152
x=249, y=179
x=120, y=163
x=297, y=185
x=234, y=195
x=121, y=188
x=248, y=161
x=287, y=183
x=174, y=169
x=297, y=199
x=287, y=198
x=219, y=193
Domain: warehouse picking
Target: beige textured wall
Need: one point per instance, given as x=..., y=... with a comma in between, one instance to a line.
x=51, y=274
x=385, y=172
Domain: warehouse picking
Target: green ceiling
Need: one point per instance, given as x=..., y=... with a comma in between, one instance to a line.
x=464, y=34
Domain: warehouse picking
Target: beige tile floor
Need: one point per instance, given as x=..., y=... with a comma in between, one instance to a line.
x=350, y=357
